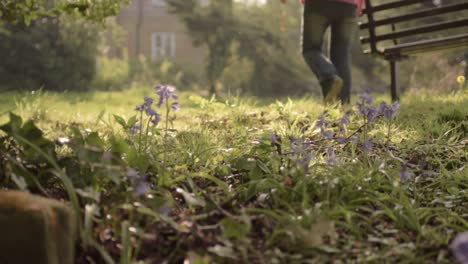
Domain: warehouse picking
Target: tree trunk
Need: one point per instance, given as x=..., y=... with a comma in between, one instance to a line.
x=138, y=27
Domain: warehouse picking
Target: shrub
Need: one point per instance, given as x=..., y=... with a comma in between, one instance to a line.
x=56, y=54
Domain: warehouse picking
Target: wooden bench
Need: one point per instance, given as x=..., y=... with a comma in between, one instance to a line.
x=396, y=30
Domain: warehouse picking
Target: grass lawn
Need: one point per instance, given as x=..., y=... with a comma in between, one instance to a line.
x=243, y=180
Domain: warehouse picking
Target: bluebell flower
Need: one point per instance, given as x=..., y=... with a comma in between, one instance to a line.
x=459, y=248
x=321, y=122
x=342, y=140
x=368, y=145
x=142, y=188
x=135, y=129
x=146, y=107
x=360, y=107
x=165, y=92
x=165, y=210
x=344, y=120
x=394, y=107
x=155, y=119
x=141, y=185
x=132, y=174
x=294, y=145
x=140, y=108
x=326, y=134
x=388, y=111
x=427, y=174
x=423, y=164
x=371, y=113
x=306, y=161
x=366, y=98
x=331, y=159
x=148, y=101
x=274, y=139
x=404, y=174
x=150, y=112
x=302, y=152
x=175, y=106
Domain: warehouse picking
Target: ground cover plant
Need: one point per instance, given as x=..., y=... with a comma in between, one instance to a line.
x=161, y=178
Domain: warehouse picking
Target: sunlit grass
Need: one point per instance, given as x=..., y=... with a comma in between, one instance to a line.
x=359, y=211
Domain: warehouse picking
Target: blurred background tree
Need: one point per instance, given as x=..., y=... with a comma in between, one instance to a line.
x=55, y=53
x=42, y=44
x=245, y=46
x=25, y=11
x=251, y=48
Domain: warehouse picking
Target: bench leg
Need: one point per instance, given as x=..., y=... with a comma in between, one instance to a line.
x=395, y=80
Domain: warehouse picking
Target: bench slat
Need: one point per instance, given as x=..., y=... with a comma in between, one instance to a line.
x=419, y=30
x=457, y=41
x=392, y=5
x=416, y=15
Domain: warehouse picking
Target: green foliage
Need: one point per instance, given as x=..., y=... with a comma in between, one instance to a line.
x=117, y=74
x=57, y=54
x=242, y=42
x=19, y=11
x=233, y=193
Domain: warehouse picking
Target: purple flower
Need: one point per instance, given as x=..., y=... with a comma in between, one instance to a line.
x=366, y=98
x=427, y=174
x=360, y=107
x=148, y=101
x=342, y=140
x=459, y=248
x=371, y=113
x=155, y=119
x=146, y=106
x=165, y=92
x=423, y=164
x=306, y=161
x=404, y=174
x=132, y=174
x=165, y=210
x=368, y=145
x=135, y=128
x=175, y=106
x=388, y=111
x=326, y=134
x=302, y=152
x=140, y=108
x=331, y=160
x=150, y=112
x=344, y=120
x=321, y=122
x=295, y=145
x=142, y=188
x=274, y=139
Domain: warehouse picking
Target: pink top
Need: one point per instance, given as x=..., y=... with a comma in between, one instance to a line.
x=358, y=3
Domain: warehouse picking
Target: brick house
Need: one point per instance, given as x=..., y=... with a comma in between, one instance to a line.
x=157, y=34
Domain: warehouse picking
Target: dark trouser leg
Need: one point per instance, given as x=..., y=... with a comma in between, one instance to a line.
x=341, y=38
x=314, y=26
x=466, y=68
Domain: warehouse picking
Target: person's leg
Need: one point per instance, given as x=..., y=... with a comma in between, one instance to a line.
x=314, y=25
x=342, y=34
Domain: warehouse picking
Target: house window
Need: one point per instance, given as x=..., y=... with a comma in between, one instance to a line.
x=159, y=3
x=204, y=2
x=163, y=45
